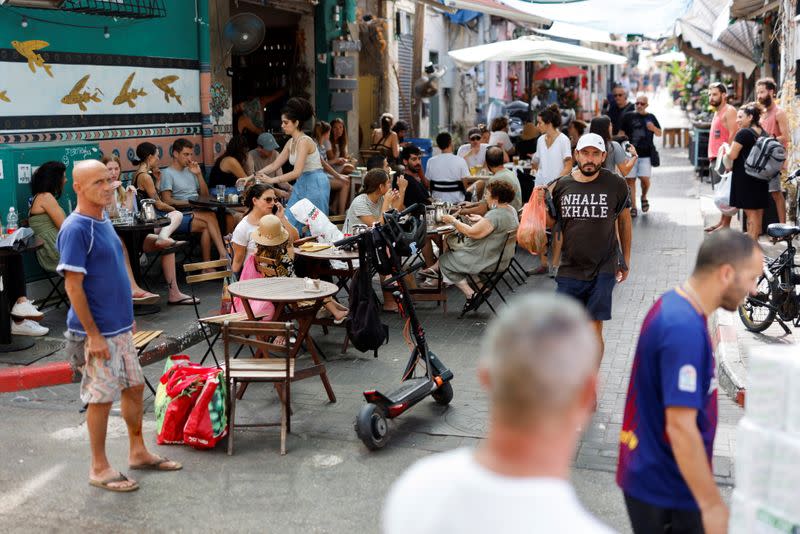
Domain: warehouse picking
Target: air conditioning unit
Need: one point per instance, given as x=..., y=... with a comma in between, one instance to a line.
x=38, y=4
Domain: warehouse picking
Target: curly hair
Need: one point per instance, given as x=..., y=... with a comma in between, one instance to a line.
x=49, y=178
x=551, y=115
x=501, y=190
x=298, y=109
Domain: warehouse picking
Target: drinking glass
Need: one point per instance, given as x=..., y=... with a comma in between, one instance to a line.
x=220, y=193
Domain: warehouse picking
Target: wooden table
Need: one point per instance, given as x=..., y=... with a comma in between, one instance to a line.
x=321, y=265
x=286, y=293
x=478, y=178
x=436, y=294
x=7, y=256
x=219, y=208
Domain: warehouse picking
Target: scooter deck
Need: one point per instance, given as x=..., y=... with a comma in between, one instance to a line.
x=410, y=392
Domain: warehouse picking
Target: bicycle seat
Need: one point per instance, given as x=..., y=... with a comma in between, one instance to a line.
x=782, y=231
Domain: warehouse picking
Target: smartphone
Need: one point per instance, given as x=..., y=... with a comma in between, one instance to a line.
x=274, y=209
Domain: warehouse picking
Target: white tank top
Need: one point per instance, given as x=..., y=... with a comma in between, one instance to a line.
x=313, y=162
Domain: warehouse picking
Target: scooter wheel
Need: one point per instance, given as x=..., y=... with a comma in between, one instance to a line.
x=372, y=427
x=444, y=394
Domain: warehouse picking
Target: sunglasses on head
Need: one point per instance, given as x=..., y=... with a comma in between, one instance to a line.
x=475, y=138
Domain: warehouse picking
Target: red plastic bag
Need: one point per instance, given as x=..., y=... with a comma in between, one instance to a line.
x=183, y=384
x=207, y=423
x=532, y=230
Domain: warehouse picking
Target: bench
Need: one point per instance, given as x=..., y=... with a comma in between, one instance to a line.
x=676, y=136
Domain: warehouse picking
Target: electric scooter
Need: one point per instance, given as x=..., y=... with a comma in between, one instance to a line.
x=434, y=379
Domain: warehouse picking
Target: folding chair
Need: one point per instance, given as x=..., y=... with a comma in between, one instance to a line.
x=57, y=292
x=221, y=272
x=154, y=257
x=276, y=367
x=485, y=283
x=141, y=340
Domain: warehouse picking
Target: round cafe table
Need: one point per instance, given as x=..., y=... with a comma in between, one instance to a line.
x=133, y=235
x=292, y=302
x=321, y=264
x=219, y=208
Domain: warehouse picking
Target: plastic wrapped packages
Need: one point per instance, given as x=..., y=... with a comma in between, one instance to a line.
x=784, y=483
x=743, y=513
x=792, y=421
x=768, y=386
x=754, y=456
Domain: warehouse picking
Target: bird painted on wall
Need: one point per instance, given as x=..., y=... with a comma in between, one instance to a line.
x=126, y=95
x=28, y=50
x=4, y=96
x=78, y=96
x=164, y=84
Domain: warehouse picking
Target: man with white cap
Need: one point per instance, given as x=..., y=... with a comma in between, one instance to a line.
x=591, y=207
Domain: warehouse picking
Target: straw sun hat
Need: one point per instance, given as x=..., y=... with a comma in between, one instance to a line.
x=270, y=231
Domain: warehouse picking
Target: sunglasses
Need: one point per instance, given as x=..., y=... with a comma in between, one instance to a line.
x=641, y=103
x=269, y=200
x=475, y=138
x=618, y=95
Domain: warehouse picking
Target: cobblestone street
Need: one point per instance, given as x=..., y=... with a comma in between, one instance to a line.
x=326, y=463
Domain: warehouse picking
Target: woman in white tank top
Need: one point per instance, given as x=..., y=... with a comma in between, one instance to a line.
x=301, y=152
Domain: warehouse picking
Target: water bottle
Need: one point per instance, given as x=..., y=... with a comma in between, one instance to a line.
x=12, y=221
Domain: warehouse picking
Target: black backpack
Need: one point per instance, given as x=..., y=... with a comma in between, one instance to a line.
x=364, y=328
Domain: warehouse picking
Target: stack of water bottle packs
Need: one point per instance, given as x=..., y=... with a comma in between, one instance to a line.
x=767, y=458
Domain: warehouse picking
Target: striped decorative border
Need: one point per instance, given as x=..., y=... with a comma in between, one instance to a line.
x=112, y=60
x=100, y=135
x=10, y=125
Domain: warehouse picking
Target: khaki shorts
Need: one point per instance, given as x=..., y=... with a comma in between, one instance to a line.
x=103, y=380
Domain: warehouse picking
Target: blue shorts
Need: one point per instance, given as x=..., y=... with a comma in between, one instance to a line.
x=186, y=224
x=595, y=294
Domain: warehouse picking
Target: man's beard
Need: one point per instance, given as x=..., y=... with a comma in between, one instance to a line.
x=715, y=103
x=766, y=101
x=585, y=169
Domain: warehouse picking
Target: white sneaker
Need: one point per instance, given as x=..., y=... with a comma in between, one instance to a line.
x=26, y=310
x=28, y=328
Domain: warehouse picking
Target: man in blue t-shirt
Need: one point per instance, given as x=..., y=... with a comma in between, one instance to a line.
x=667, y=436
x=99, y=325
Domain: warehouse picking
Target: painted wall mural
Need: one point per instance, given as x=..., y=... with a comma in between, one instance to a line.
x=127, y=95
x=28, y=50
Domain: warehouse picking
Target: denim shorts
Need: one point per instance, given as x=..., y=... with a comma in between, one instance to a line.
x=642, y=167
x=186, y=224
x=595, y=294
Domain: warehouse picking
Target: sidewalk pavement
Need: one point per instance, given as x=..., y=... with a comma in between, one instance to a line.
x=733, y=342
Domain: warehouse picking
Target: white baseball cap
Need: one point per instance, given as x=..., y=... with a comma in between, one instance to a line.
x=593, y=140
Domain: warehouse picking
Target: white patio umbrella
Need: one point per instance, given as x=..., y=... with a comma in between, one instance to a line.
x=532, y=48
x=670, y=57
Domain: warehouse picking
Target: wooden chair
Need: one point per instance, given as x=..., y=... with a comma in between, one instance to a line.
x=276, y=367
x=141, y=340
x=221, y=272
x=367, y=153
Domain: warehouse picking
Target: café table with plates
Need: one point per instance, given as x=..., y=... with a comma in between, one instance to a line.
x=320, y=264
x=8, y=343
x=293, y=302
x=219, y=207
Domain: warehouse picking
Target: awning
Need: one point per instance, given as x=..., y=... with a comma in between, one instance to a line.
x=565, y=30
x=734, y=45
x=745, y=9
x=532, y=48
x=490, y=7
x=670, y=57
x=557, y=72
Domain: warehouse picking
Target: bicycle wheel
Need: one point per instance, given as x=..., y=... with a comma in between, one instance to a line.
x=755, y=316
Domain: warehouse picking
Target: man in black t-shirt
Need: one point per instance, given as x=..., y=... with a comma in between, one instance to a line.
x=617, y=107
x=591, y=207
x=640, y=127
x=418, y=188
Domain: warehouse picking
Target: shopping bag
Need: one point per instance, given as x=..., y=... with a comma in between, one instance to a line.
x=207, y=423
x=722, y=195
x=318, y=223
x=532, y=230
x=182, y=385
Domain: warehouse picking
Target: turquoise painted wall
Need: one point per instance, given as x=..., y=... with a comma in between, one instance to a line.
x=173, y=36
x=326, y=30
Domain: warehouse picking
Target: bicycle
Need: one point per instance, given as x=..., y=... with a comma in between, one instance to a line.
x=777, y=289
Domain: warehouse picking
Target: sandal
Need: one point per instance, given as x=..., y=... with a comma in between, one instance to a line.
x=634, y=213
x=428, y=273
x=106, y=484
x=158, y=465
x=711, y=228
x=645, y=205
x=145, y=297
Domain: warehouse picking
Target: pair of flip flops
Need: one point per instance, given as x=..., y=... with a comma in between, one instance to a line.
x=158, y=465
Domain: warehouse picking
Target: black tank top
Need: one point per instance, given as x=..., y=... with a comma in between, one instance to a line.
x=220, y=177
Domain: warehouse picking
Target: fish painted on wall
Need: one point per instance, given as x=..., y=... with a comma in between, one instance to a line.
x=164, y=85
x=4, y=97
x=79, y=96
x=28, y=50
x=126, y=95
